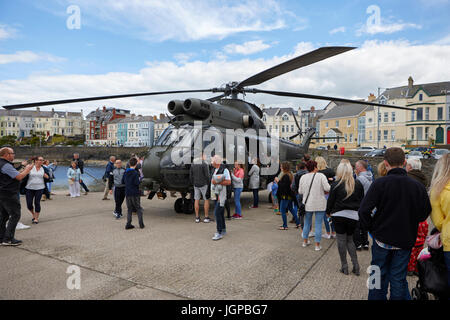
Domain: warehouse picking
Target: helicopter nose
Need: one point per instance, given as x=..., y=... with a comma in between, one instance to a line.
x=151, y=168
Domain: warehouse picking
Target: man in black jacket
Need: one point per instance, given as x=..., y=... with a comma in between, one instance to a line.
x=400, y=203
x=200, y=178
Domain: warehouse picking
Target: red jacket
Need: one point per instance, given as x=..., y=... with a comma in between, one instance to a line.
x=422, y=233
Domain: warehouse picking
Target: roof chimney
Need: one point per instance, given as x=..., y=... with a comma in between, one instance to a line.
x=410, y=82
x=371, y=97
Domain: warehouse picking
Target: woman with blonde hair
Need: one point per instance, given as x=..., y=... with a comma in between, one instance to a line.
x=381, y=169
x=440, y=204
x=343, y=203
x=329, y=173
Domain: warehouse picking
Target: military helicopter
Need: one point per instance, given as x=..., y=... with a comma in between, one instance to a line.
x=225, y=111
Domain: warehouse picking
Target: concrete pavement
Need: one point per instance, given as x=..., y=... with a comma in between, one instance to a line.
x=172, y=258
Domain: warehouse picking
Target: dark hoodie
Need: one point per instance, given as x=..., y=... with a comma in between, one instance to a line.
x=418, y=176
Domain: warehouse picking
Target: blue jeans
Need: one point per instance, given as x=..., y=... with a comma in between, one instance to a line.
x=318, y=225
x=288, y=205
x=327, y=224
x=237, y=200
x=393, y=266
x=220, y=217
x=49, y=186
x=447, y=262
x=255, y=197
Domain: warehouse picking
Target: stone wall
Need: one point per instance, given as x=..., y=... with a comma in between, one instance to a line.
x=63, y=154
x=333, y=159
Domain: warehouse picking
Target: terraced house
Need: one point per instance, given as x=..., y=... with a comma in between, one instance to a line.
x=343, y=120
x=429, y=124
x=25, y=123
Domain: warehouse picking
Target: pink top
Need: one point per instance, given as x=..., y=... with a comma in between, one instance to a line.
x=239, y=173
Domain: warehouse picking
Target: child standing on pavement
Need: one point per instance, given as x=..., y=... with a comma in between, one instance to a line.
x=132, y=193
x=274, y=196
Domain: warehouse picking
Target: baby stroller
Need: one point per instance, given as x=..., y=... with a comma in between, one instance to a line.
x=432, y=275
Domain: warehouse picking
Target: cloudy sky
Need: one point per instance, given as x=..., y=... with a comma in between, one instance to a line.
x=58, y=49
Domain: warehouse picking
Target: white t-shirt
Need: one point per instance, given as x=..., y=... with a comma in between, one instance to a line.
x=36, y=179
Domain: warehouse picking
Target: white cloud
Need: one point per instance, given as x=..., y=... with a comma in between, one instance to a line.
x=386, y=28
x=182, y=20
x=443, y=41
x=7, y=32
x=27, y=57
x=246, y=48
x=336, y=30
x=354, y=74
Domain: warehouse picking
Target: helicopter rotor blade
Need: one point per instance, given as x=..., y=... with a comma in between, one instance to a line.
x=316, y=97
x=296, y=122
x=295, y=63
x=47, y=103
x=292, y=137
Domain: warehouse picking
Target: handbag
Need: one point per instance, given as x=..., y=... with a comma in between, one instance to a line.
x=302, y=207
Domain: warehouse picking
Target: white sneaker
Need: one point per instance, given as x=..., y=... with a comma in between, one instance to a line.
x=217, y=236
x=318, y=248
x=326, y=236
x=311, y=234
x=304, y=245
x=21, y=226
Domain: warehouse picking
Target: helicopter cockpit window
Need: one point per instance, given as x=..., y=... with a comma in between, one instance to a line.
x=164, y=138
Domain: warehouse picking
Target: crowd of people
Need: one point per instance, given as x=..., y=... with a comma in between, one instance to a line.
x=391, y=210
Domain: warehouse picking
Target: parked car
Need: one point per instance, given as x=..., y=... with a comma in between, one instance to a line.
x=414, y=155
x=366, y=149
x=426, y=151
x=438, y=153
x=376, y=153
x=321, y=148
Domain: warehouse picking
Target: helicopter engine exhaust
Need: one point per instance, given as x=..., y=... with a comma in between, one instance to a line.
x=175, y=107
x=198, y=108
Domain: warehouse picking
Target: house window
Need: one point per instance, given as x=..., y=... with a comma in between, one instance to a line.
x=419, y=133
x=370, y=135
x=285, y=117
x=420, y=97
x=386, y=117
x=370, y=120
x=292, y=128
x=439, y=113
x=393, y=135
x=385, y=135
x=282, y=128
x=337, y=123
x=393, y=116
x=276, y=128
x=427, y=113
x=326, y=124
x=427, y=132
x=412, y=115
x=412, y=133
x=351, y=137
x=379, y=135
x=419, y=113
x=270, y=128
x=379, y=116
x=345, y=136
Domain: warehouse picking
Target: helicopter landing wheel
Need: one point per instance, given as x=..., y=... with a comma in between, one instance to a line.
x=178, y=206
x=188, y=206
